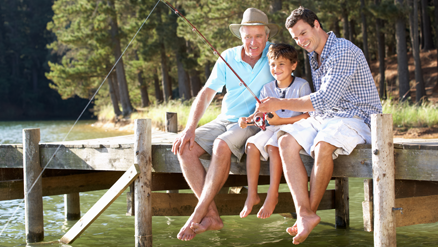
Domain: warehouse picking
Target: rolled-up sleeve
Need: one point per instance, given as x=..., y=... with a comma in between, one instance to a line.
x=334, y=81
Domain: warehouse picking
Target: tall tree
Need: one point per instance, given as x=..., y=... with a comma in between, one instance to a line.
x=413, y=26
x=364, y=30
x=381, y=54
x=427, y=30
x=435, y=3
x=402, y=55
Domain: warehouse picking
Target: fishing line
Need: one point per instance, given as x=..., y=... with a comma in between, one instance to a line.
x=89, y=102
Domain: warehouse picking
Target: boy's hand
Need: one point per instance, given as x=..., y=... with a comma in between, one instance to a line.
x=268, y=104
x=242, y=122
x=275, y=120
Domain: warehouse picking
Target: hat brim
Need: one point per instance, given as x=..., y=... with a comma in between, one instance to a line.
x=274, y=28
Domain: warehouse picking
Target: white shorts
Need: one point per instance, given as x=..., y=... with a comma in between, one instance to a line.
x=264, y=138
x=344, y=133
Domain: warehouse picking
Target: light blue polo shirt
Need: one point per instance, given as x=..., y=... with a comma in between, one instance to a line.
x=238, y=101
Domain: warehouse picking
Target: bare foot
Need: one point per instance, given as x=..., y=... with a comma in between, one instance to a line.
x=208, y=223
x=292, y=230
x=305, y=225
x=249, y=203
x=268, y=207
x=186, y=233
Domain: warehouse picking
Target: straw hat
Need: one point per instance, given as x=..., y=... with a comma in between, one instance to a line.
x=254, y=17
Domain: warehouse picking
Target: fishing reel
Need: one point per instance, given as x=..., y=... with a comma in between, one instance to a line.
x=259, y=119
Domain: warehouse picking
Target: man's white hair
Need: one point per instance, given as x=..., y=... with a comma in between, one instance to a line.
x=267, y=30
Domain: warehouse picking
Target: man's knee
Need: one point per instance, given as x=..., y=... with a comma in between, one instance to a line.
x=189, y=154
x=324, y=149
x=288, y=143
x=220, y=147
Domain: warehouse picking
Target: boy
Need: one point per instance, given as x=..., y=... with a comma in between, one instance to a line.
x=282, y=61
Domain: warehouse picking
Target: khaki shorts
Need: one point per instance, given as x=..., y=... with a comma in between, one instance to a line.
x=230, y=132
x=343, y=133
x=263, y=139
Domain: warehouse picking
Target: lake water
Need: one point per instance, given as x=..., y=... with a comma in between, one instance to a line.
x=114, y=228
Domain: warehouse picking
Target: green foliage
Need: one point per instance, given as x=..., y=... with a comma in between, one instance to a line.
x=409, y=115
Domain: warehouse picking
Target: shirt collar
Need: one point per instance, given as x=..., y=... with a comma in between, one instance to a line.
x=325, y=51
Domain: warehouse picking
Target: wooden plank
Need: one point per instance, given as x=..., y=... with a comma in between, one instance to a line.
x=412, y=188
x=383, y=180
x=101, y=205
x=172, y=122
x=183, y=204
x=33, y=206
x=342, y=212
x=13, y=189
x=367, y=206
x=143, y=185
x=416, y=210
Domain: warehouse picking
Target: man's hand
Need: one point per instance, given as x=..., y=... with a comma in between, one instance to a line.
x=275, y=120
x=243, y=122
x=185, y=136
x=268, y=104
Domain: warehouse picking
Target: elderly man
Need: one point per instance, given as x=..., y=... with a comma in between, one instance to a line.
x=339, y=110
x=223, y=137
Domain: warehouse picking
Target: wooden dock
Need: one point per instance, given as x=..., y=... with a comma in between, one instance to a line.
x=110, y=163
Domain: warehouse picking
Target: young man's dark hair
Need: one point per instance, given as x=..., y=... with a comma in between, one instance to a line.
x=304, y=14
x=282, y=50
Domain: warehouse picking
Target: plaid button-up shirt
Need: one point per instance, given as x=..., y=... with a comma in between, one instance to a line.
x=343, y=83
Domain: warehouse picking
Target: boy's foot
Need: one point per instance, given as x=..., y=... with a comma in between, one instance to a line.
x=268, y=207
x=249, y=203
x=186, y=233
x=292, y=230
x=304, y=226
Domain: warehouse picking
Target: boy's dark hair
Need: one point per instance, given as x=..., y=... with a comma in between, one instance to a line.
x=283, y=50
x=304, y=14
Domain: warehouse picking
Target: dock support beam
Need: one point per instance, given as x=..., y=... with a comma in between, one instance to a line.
x=33, y=192
x=172, y=126
x=143, y=184
x=72, y=206
x=382, y=148
x=342, y=211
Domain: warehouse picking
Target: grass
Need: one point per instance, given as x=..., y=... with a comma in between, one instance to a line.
x=156, y=113
x=405, y=115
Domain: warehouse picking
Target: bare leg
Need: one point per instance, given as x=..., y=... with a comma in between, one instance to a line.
x=296, y=178
x=205, y=217
x=275, y=171
x=252, y=171
x=194, y=174
x=322, y=172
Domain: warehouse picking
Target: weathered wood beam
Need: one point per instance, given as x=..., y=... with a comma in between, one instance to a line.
x=416, y=210
x=183, y=204
x=367, y=206
x=13, y=189
x=342, y=212
x=72, y=206
x=101, y=205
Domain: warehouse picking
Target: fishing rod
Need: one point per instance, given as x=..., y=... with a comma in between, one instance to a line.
x=214, y=49
x=258, y=120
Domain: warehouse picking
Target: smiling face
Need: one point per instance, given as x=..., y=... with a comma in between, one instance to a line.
x=309, y=38
x=254, y=40
x=281, y=70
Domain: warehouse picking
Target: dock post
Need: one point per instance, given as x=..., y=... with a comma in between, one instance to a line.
x=172, y=126
x=33, y=192
x=172, y=122
x=342, y=211
x=72, y=206
x=382, y=148
x=143, y=201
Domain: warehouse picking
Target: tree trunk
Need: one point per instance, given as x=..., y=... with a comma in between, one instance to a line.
x=364, y=31
x=207, y=70
x=336, y=28
x=308, y=70
x=413, y=26
x=183, y=79
x=435, y=2
x=164, y=74
x=114, y=100
x=142, y=85
x=402, y=57
x=195, y=82
x=276, y=5
x=352, y=30
x=120, y=69
x=427, y=30
x=115, y=85
x=346, y=30
x=381, y=54
x=158, y=91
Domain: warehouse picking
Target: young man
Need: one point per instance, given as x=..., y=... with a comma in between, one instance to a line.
x=283, y=60
x=223, y=137
x=340, y=110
